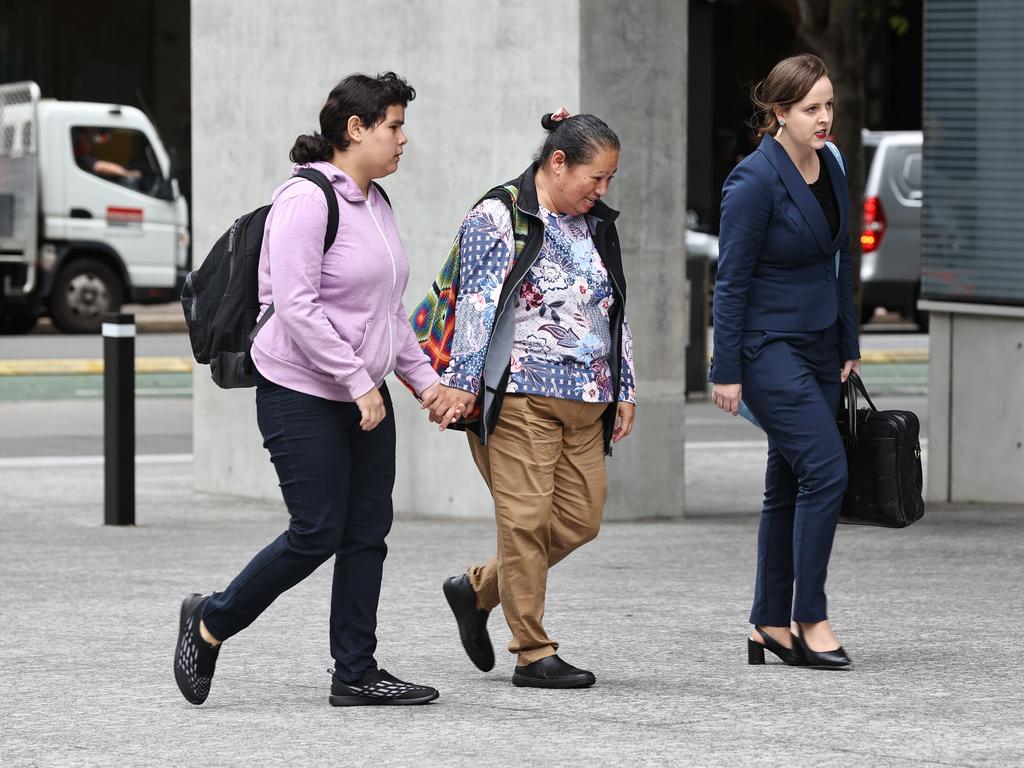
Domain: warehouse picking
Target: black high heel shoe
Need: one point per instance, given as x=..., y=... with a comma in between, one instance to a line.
x=824, y=659
x=755, y=651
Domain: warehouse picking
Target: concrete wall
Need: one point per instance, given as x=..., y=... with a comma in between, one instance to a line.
x=259, y=77
x=975, y=404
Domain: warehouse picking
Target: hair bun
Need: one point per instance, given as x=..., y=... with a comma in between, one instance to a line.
x=547, y=123
x=308, y=149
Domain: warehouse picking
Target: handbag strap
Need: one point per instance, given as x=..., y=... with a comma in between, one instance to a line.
x=851, y=387
x=838, y=155
x=859, y=385
x=848, y=404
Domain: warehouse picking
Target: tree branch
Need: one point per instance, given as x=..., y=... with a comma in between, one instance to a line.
x=810, y=27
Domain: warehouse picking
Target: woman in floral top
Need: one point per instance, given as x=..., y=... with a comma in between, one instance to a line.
x=542, y=345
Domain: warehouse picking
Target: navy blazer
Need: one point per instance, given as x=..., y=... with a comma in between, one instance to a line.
x=776, y=258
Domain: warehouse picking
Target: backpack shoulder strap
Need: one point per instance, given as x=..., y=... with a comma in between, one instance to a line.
x=509, y=195
x=383, y=194
x=311, y=174
x=839, y=156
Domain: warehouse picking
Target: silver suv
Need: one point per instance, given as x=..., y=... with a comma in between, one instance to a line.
x=890, y=235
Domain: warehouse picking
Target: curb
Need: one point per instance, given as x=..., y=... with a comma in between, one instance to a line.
x=87, y=366
x=894, y=356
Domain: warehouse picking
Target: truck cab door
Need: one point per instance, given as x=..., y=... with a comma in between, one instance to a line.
x=116, y=196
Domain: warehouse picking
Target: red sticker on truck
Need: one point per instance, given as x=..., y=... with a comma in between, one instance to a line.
x=124, y=217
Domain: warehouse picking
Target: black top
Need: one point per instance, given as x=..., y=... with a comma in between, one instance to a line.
x=822, y=189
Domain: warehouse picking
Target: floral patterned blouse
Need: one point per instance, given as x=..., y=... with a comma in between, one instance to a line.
x=562, y=339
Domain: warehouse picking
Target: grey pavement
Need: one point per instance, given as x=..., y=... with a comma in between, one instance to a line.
x=931, y=616
x=58, y=346
x=35, y=428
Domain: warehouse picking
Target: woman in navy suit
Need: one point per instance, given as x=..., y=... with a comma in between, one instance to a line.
x=785, y=337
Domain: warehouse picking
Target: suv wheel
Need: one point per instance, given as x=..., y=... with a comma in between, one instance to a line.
x=85, y=290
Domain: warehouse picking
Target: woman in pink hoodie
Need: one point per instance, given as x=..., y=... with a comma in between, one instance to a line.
x=338, y=328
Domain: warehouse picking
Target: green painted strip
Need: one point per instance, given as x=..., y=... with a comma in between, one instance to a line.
x=90, y=387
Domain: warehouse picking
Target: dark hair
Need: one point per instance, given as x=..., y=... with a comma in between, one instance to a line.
x=788, y=82
x=368, y=98
x=580, y=137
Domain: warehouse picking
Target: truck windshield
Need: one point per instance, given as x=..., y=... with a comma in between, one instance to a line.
x=119, y=155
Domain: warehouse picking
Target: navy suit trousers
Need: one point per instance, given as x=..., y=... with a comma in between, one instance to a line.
x=337, y=482
x=791, y=383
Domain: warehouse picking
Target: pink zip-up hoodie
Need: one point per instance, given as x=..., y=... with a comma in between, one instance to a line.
x=339, y=325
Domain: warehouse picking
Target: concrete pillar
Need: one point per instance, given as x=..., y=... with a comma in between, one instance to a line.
x=940, y=328
x=975, y=403
x=633, y=74
x=484, y=73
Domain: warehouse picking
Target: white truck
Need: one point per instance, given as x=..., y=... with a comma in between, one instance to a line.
x=90, y=212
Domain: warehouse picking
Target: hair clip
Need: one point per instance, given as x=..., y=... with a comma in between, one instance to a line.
x=560, y=115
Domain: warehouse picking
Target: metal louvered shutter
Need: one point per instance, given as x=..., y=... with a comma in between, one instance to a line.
x=973, y=214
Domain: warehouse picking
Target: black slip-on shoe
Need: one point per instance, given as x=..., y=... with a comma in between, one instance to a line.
x=552, y=672
x=472, y=621
x=194, y=658
x=378, y=688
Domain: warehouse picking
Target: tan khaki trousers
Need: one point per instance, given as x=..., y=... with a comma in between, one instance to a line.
x=544, y=465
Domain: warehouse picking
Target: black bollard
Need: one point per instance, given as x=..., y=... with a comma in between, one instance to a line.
x=119, y=419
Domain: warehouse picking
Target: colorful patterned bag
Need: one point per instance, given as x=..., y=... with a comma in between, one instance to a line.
x=433, y=319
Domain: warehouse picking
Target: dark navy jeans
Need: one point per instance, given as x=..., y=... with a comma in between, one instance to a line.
x=337, y=482
x=791, y=383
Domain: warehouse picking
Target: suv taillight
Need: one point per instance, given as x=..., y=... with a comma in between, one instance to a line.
x=874, y=225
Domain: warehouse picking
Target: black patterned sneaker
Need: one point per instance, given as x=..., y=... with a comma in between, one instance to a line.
x=194, y=658
x=378, y=687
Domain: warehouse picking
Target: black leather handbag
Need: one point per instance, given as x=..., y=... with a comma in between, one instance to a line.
x=883, y=458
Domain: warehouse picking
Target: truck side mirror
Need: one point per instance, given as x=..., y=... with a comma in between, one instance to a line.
x=168, y=189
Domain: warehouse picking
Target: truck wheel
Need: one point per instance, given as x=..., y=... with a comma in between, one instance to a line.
x=17, y=323
x=84, y=291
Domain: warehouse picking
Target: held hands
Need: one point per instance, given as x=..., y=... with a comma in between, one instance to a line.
x=727, y=397
x=848, y=366
x=371, y=407
x=624, y=414
x=447, y=404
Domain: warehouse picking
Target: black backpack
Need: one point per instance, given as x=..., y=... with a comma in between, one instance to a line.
x=221, y=298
